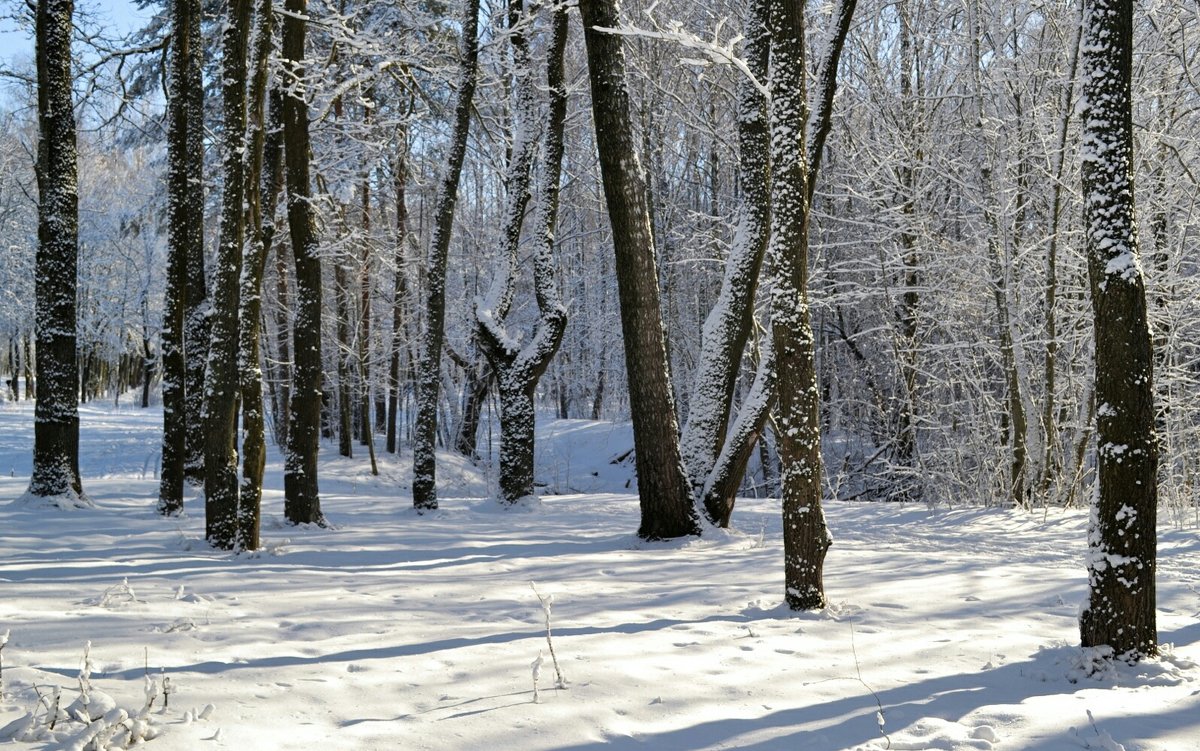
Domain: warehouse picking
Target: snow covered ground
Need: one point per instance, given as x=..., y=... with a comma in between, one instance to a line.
x=950, y=629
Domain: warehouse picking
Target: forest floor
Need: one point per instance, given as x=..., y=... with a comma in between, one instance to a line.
x=950, y=628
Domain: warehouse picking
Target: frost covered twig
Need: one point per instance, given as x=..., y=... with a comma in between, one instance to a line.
x=547, y=602
x=715, y=50
x=879, y=719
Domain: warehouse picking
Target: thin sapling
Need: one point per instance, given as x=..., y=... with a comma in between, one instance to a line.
x=547, y=602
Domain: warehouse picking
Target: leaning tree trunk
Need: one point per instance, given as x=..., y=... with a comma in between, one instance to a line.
x=729, y=467
x=263, y=183
x=185, y=219
x=728, y=325
x=56, y=412
x=1121, y=536
x=221, y=378
x=666, y=498
x=519, y=369
x=424, y=482
x=302, y=501
x=806, y=537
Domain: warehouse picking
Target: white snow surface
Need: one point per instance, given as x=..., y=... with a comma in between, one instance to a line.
x=398, y=631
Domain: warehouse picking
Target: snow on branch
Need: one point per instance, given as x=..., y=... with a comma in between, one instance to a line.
x=714, y=49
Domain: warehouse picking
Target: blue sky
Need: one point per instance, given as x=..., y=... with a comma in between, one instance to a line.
x=120, y=16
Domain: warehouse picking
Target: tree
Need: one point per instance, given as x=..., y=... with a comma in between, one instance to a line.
x=221, y=377
x=806, y=536
x=185, y=229
x=263, y=181
x=302, y=501
x=424, y=483
x=1120, y=610
x=519, y=368
x=56, y=414
x=666, y=498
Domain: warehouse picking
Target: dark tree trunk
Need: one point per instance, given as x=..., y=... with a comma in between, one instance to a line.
x=56, y=413
x=221, y=379
x=302, y=501
x=195, y=322
x=1120, y=611
x=399, y=288
x=283, y=330
x=181, y=233
x=424, y=483
x=263, y=180
x=806, y=536
x=666, y=498
x=345, y=422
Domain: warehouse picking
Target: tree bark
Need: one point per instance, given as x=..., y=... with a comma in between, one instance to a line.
x=519, y=369
x=263, y=180
x=182, y=217
x=666, y=497
x=196, y=307
x=424, y=483
x=728, y=325
x=806, y=537
x=302, y=501
x=1120, y=610
x=56, y=413
x=221, y=390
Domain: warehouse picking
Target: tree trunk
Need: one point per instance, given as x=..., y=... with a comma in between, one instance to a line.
x=56, y=412
x=181, y=220
x=345, y=421
x=263, y=184
x=302, y=501
x=399, y=287
x=1120, y=611
x=728, y=325
x=424, y=483
x=221, y=378
x=196, y=307
x=806, y=536
x=519, y=369
x=666, y=498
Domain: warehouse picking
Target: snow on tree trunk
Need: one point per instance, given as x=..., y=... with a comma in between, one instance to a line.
x=302, y=501
x=518, y=369
x=55, y=473
x=666, y=497
x=806, y=536
x=263, y=183
x=179, y=227
x=424, y=483
x=195, y=322
x=221, y=377
x=399, y=286
x=1120, y=610
x=728, y=325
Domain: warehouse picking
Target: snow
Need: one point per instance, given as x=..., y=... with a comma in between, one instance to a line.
x=948, y=629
